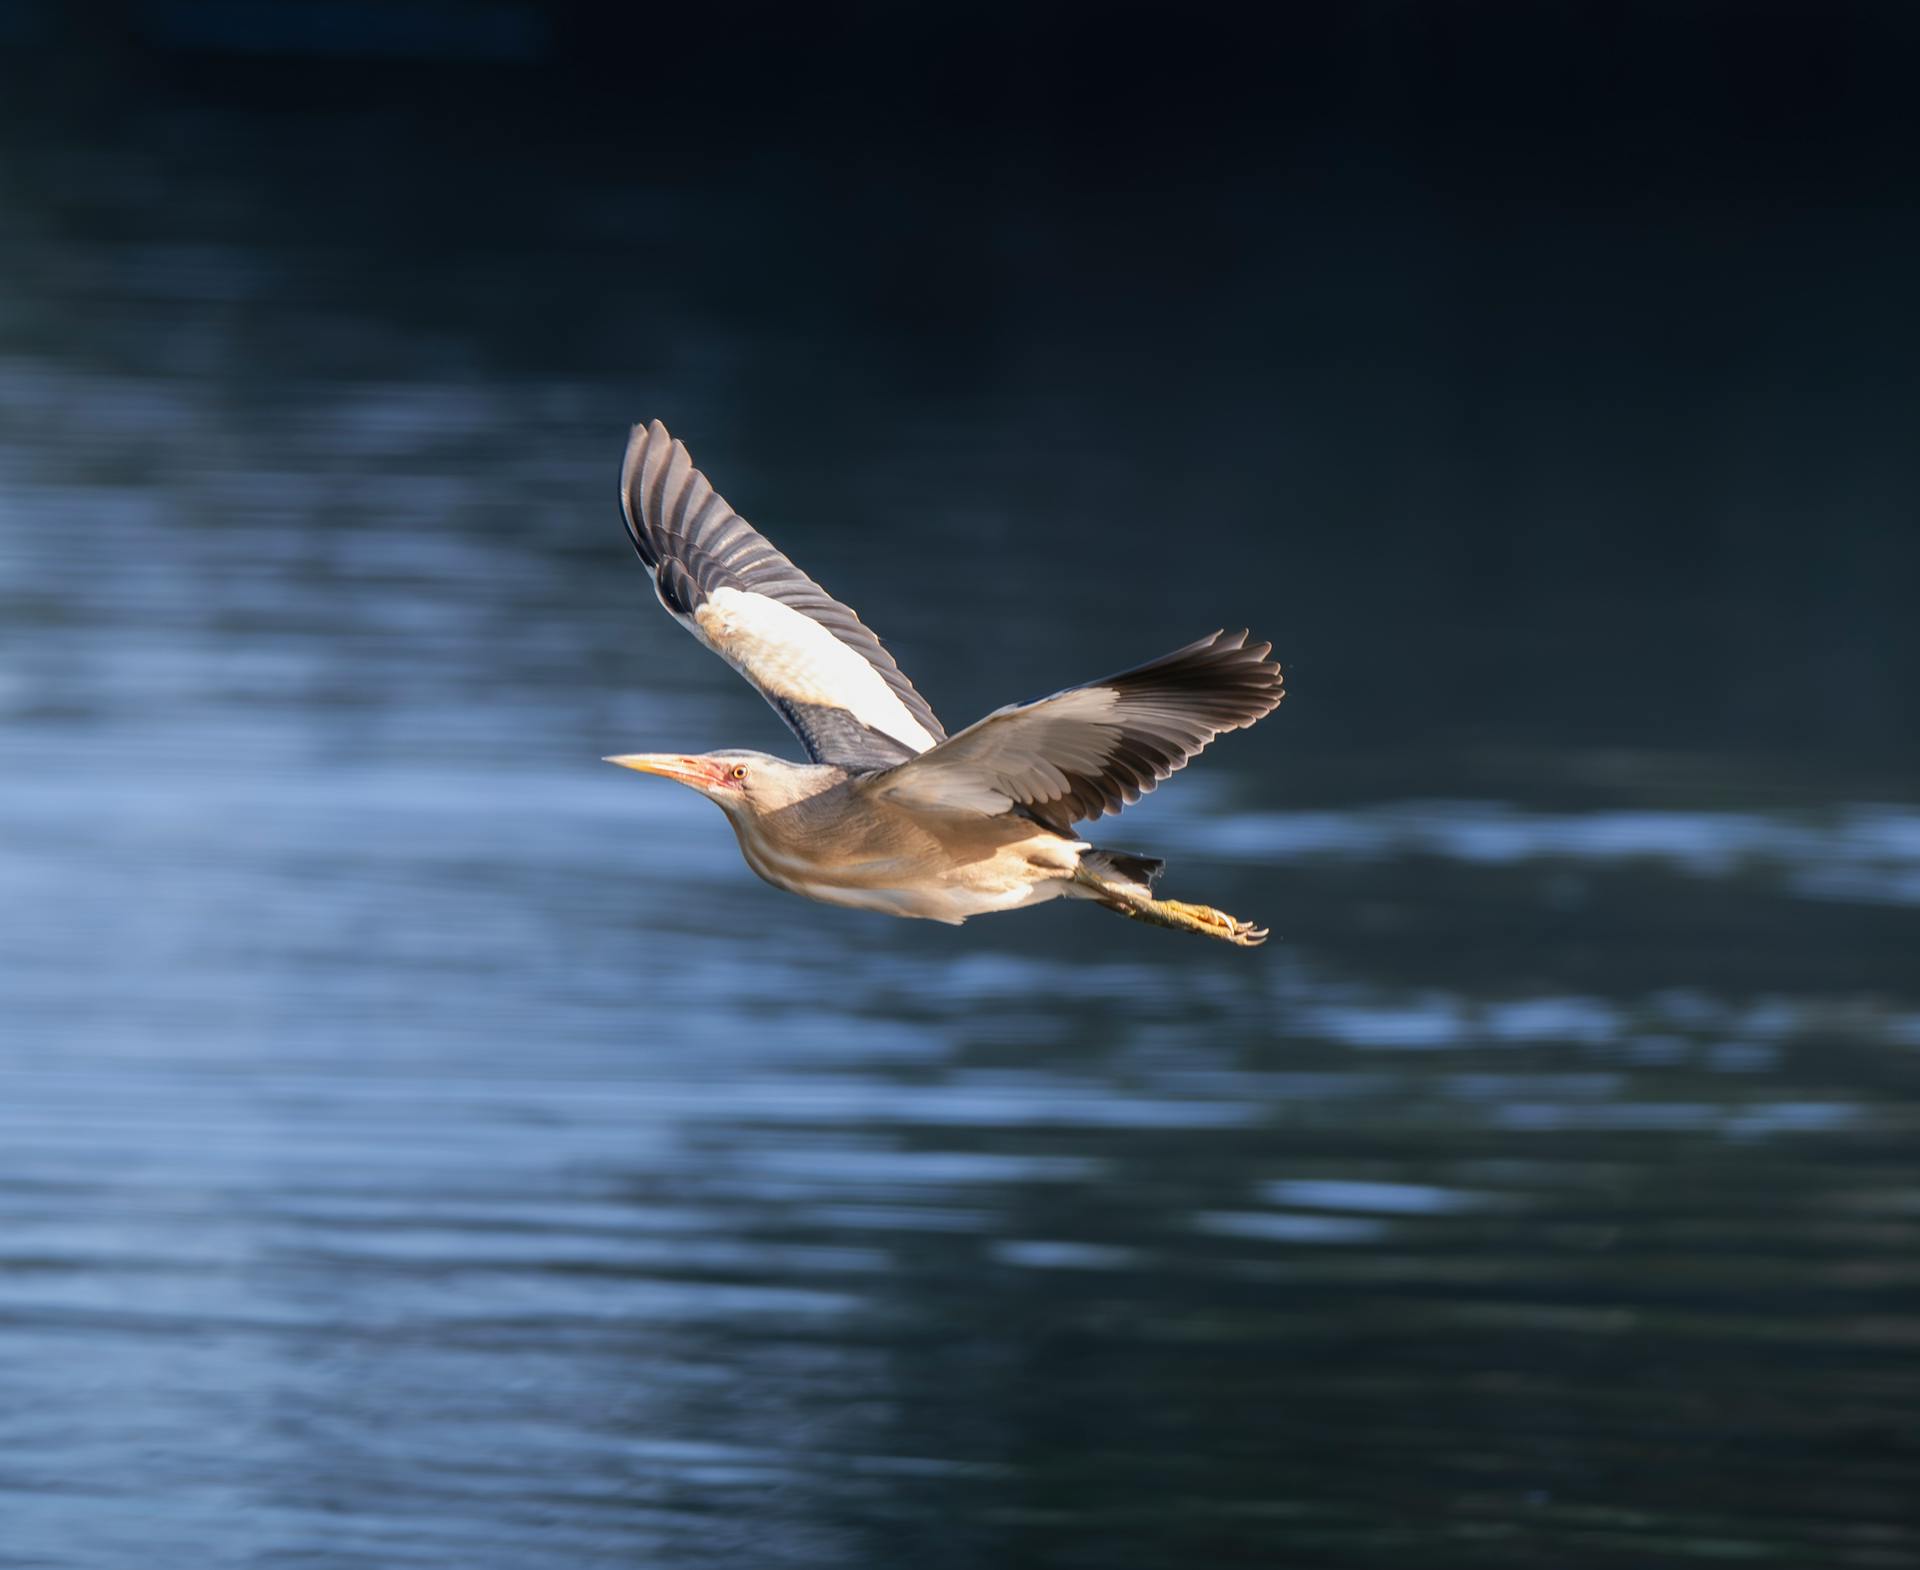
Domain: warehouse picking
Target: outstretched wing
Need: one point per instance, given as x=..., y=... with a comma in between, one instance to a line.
x=810, y=656
x=1096, y=748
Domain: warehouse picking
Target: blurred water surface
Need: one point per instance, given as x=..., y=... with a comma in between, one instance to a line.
x=422, y=1144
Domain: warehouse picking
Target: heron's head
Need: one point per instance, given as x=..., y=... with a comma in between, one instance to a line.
x=749, y=782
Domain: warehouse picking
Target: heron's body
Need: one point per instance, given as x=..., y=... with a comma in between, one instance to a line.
x=892, y=814
x=845, y=844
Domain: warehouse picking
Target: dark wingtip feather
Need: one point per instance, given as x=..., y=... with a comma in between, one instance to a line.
x=640, y=440
x=1226, y=680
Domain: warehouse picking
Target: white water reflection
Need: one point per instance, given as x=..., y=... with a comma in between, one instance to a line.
x=1733, y=1034
x=1409, y=1199
x=1868, y=851
x=1278, y=1227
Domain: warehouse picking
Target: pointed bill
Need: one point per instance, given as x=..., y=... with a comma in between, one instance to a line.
x=697, y=772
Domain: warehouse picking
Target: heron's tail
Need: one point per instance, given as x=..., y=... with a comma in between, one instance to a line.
x=1122, y=866
x=1124, y=883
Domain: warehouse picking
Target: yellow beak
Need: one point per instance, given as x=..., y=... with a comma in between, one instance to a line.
x=697, y=772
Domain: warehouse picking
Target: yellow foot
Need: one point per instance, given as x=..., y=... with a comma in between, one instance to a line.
x=1133, y=901
x=1218, y=924
x=1203, y=919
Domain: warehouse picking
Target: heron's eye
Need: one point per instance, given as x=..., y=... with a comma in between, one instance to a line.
x=739, y=771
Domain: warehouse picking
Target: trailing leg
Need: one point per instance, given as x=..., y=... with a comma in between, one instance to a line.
x=1134, y=900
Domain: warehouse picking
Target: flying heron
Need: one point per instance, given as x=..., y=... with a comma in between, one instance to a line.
x=891, y=813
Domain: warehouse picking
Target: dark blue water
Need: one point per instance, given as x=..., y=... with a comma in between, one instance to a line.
x=422, y=1144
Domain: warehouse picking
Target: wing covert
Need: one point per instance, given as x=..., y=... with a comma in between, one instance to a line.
x=1096, y=748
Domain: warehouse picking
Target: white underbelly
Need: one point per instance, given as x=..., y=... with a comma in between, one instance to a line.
x=933, y=904
x=1006, y=882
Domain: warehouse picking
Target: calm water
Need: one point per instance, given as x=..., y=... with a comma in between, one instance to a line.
x=422, y=1144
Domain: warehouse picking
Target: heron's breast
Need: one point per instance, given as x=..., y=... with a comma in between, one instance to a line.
x=874, y=856
x=805, y=866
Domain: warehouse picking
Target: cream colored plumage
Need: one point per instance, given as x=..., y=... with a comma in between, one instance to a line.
x=891, y=814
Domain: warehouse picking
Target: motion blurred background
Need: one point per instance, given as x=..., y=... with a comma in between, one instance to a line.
x=421, y=1144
